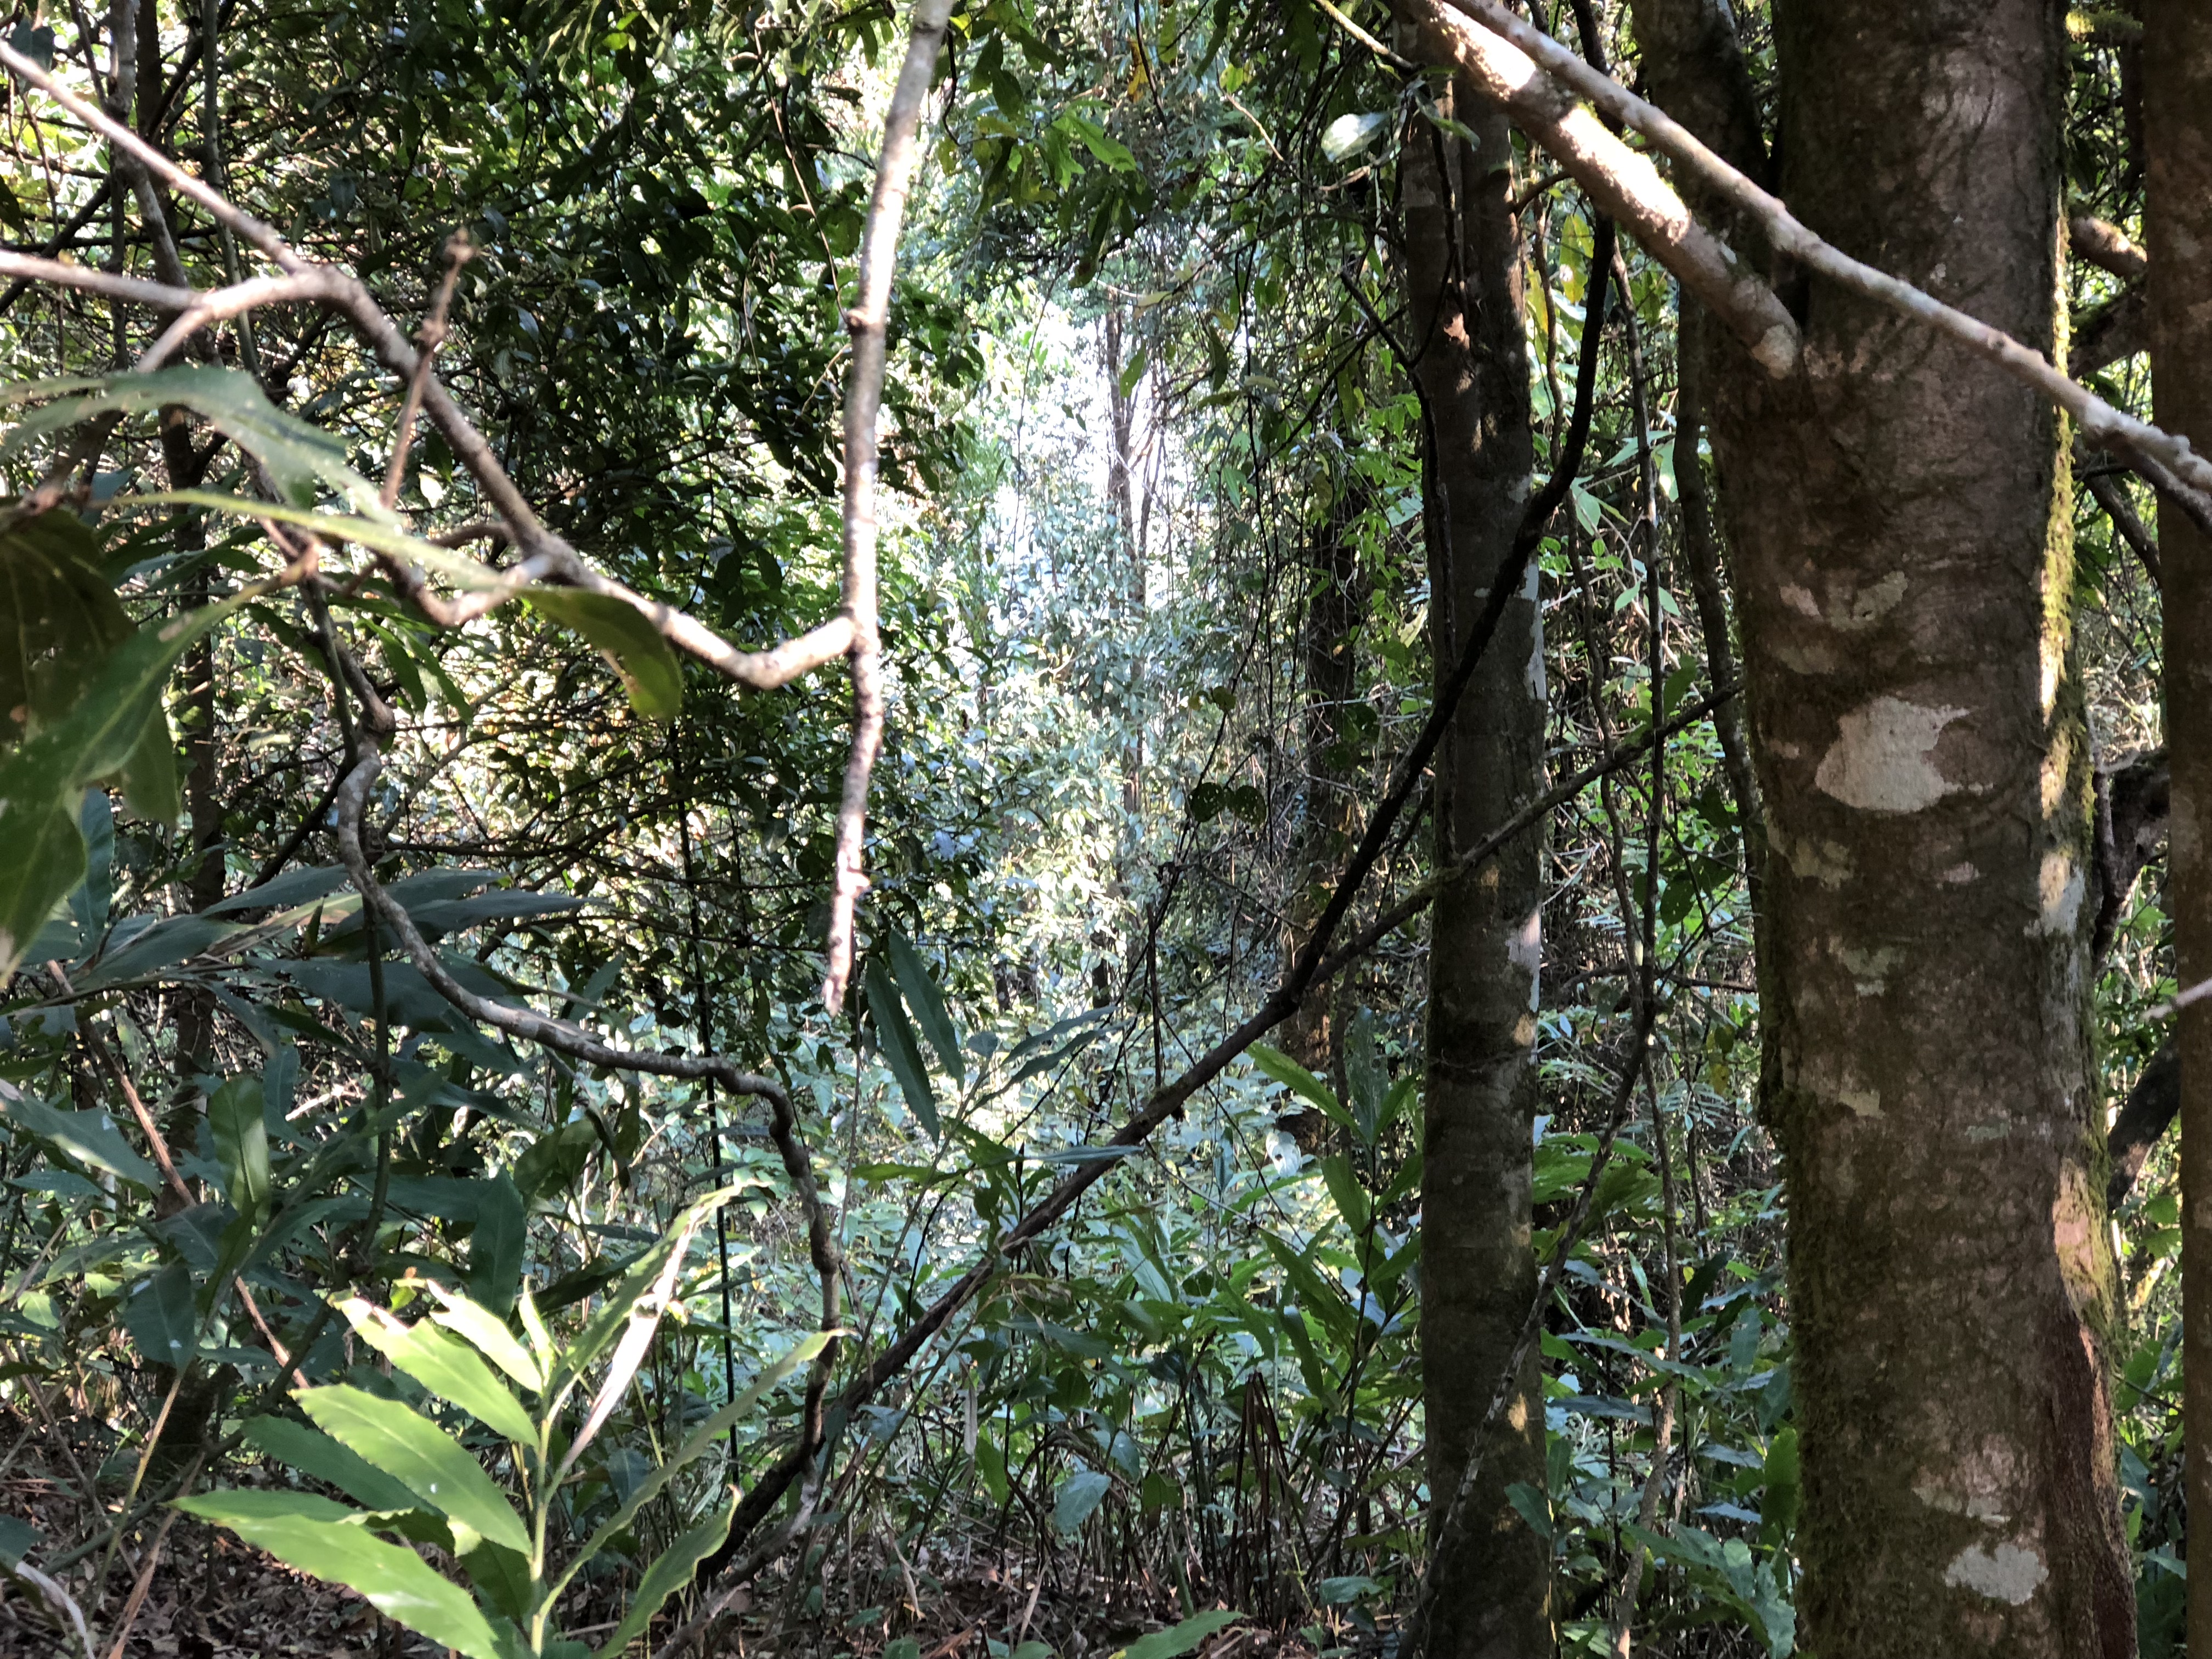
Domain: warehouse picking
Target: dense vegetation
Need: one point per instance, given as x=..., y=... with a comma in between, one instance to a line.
x=813, y=1349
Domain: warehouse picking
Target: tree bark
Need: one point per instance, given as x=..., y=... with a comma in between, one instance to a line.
x=1462, y=271
x=1900, y=527
x=2177, y=148
x=1335, y=600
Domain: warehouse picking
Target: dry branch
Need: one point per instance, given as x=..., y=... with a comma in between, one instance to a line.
x=1488, y=34
x=868, y=324
x=1622, y=182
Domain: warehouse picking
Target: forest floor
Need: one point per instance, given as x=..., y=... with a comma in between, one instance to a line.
x=210, y=1597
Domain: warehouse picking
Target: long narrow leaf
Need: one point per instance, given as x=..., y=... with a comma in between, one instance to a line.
x=444, y=1365
x=669, y=1572
x=395, y=1581
x=927, y=1003
x=702, y=1438
x=419, y=1455
x=900, y=1049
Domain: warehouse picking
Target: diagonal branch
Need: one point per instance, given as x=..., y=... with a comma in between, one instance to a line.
x=1530, y=73
x=548, y=556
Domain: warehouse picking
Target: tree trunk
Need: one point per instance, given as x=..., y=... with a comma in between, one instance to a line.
x=1901, y=525
x=1478, y=1273
x=1335, y=600
x=2177, y=140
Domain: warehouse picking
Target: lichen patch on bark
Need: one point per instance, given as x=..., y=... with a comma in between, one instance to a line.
x=1880, y=760
x=2007, y=1573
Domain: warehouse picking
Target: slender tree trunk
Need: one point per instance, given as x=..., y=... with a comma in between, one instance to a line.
x=2177, y=143
x=1479, y=1272
x=1899, y=521
x=1333, y=602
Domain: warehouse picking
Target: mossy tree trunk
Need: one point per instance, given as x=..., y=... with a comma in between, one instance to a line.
x=1900, y=520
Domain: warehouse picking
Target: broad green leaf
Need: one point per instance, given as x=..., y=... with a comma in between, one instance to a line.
x=1183, y=1639
x=625, y=637
x=1301, y=1082
x=419, y=1455
x=241, y=1142
x=89, y=1137
x=301, y=458
x=59, y=620
x=43, y=778
x=671, y=1571
x=1315, y=1294
x=901, y=1051
x=489, y=1333
x=314, y=1453
x=927, y=1003
x=1348, y=134
x=160, y=1315
x=496, y=1247
x=1077, y=1496
x=397, y=1583
x=1777, y=1508
x=443, y=1364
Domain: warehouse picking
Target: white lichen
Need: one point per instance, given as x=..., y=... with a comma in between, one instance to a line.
x=2007, y=1573
x=1879, y=760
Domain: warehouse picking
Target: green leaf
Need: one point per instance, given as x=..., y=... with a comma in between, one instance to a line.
x=1183, y=1639
x=91, y=1138
x=419, y=1455
x=901, y=1051
x=928, y=1004
x=1348, y=134
x=671, y=1571
x=1317, y=1297
x=444, y=1366
x=703, y=1440
x=495, y=1246
x=1778, y=1509
x=1344, y=1187
x=314, y=1453
x=643, y=1299
x=160, y=1315
x=626, y=638
x=301, y=459
x=397, y=1583
x=489, y=1333
x=241, y=1142
x=1301, y=1082
x=1077, y=1496
x=42, y=780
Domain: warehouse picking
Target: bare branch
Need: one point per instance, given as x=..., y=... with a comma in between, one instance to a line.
x=2106, y=246
x=29, y=268
x=1511, y=51
x=1622, y=182
x=867, y=323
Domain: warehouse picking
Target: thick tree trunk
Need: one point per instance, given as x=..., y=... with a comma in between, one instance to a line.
x=1478, y=1271
x=1899, y=521
x=2177, y=138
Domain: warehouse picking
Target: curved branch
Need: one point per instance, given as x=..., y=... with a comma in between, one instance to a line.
x=868, y=324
